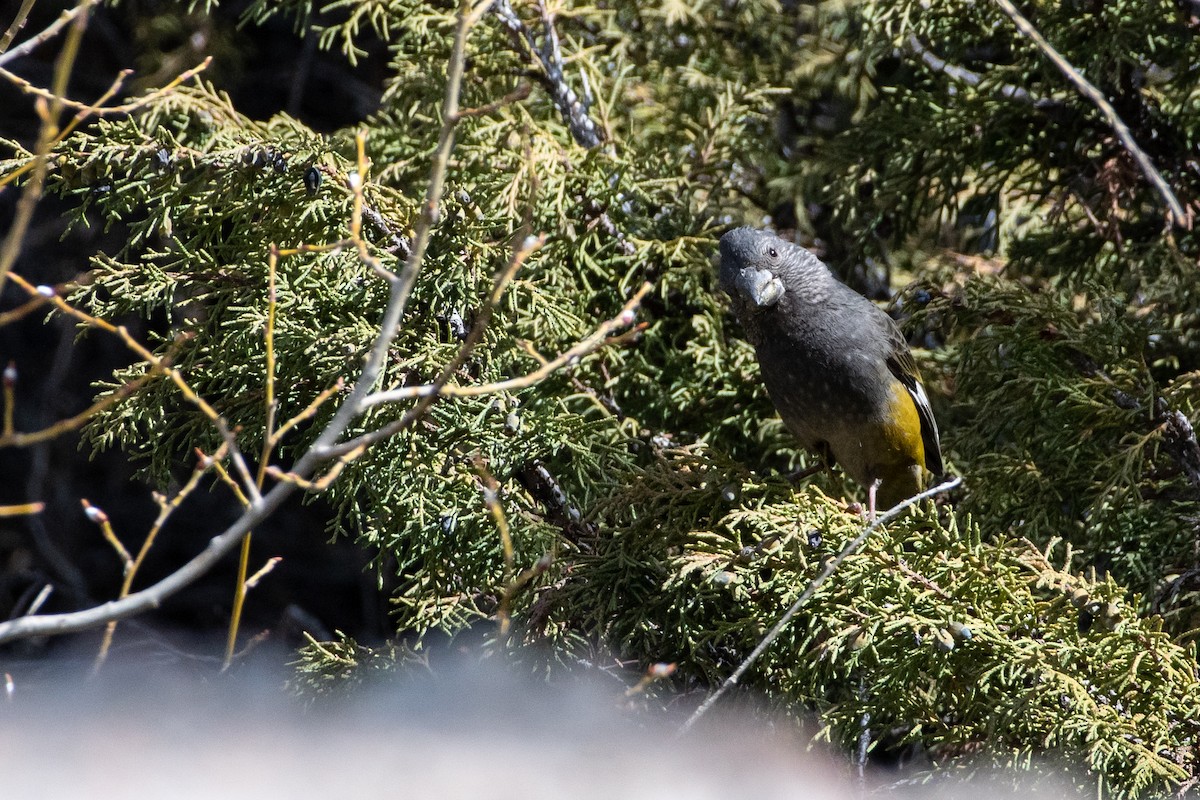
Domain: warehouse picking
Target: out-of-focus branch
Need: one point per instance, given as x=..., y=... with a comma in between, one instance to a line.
x=548, y=56
x=963, y=75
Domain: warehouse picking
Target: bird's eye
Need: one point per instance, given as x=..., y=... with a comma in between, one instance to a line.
x=772, y=252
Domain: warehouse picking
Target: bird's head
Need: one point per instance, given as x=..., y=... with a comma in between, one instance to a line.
x=759, y=269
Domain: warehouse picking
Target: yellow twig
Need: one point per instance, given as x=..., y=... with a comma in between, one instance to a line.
x=597, y=339
x=97, y=108
x=165, y=509
x=158, y=363
x=12, y=439
x=22, y=510
x=9, y=382
x=233, y=485
x=253, y=580
x=322, y=483
x=514, y=587
x=243, y=584
x=491, y=499
x=98, y=516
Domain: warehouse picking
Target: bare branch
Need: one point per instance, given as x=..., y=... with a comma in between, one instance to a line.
x=263, y=571
x=599, y=338
x=27, y=47
x=11, y=438
x=165, y=509
x=18, y=22
x=98, y=109
x=1176, y=215
x=157, y=364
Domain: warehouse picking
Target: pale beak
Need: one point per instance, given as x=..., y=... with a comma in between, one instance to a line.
x=760, y=286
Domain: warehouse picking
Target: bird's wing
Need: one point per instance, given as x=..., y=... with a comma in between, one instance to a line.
x=900, y=363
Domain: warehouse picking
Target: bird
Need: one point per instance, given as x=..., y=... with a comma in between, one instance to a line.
x=836, y=366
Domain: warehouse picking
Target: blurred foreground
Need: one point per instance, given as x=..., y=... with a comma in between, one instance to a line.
x=466, y=732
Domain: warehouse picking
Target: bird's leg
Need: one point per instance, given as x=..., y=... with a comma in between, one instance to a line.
x=872, y=490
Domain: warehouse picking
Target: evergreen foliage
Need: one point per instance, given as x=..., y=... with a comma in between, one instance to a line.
x=1050, y=607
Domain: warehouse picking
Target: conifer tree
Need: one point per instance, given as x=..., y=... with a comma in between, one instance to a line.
x=561, y=437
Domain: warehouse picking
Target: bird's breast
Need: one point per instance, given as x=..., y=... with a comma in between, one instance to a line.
x=818, y=385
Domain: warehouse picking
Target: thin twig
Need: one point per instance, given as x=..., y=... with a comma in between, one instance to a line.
x=157, y=364
x=22, y=510
x=234, y=486
x=1176, y=213
x=491, y=499
x=40, y=600
x=850, y=548
x=263, y=571
x=97, y=516
x=242, y=584
x=22, y=311
x=97, y=108
x=16, y=25
x=165, y=509
x=588, y=344
x=9, y=390
x=322, y=483
x=521, y=254
x=11, y=438
x=308, y=413
x=520, y=93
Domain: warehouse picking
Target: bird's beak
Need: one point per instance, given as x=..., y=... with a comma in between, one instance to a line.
x=760, y=286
